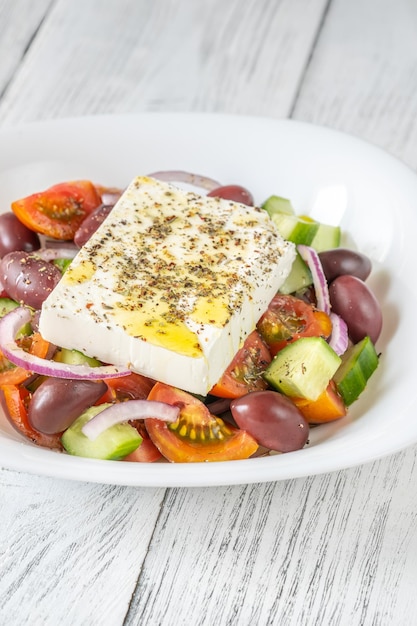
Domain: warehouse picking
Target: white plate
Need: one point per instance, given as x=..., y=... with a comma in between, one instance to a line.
x=329, y=175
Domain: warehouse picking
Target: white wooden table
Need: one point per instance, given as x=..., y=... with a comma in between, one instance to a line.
x=338, y=549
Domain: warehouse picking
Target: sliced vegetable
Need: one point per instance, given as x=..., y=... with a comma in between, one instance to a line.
x=358, y=364
x=328, y=407
x=287, y=319
x=196, y=436
x=299, y=277
x=126, y=411
x=277, y=204
x=179, y=176
x=244, y=374
x=114, y=443
x=58, y=211
x=303, y=368
x=299, y=230
x=10, y=325
x=339, y=339
x=311, y=257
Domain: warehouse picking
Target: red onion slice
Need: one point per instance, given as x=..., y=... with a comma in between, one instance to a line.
x=130, y=410
x=339, y=340
x=11, y=323
x=186, y=177
x=311, y=257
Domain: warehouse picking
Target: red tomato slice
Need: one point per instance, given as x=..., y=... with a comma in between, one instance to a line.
x=131, y=387
x=14, y=401
x=60, y=210
x=244, y=373
x=288, y=318
x=196, y=436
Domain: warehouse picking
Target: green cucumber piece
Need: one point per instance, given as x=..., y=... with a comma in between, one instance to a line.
x=7, y=305
x=303, y=369
x=295, y=229
x=276, y=204
x=74, y=357
x=114, y=443
x=327, y=237
x=299, y=277
x=358, y=364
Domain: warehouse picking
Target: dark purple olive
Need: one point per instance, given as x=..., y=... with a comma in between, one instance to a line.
x=272, y=419
x=91, y=223
x=16, y=236
x=57, y=403
x=27, y=278
x=341, y=261
x=352, y=299
x=236, y=193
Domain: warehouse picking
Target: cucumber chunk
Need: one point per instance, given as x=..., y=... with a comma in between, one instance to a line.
x=303, y=369
x=74, y=357
x=327, y=237
x=358, y=364
x=296, y=229
x=114, y=443
x=299, y=277
x=276, y=204
x=7, y=305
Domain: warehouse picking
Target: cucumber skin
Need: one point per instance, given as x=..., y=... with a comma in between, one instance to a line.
x=277, y=204
x=358, y=364
x=303, y=369
x=113, y=444
x=74, y=357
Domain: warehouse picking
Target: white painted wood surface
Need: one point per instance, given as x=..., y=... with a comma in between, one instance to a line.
x=337, y=549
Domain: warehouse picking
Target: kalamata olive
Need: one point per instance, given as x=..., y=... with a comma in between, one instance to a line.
x=16, y=236
x=236, y=193
x=352, y=299
x=27, y=278
x=57, y=402
x=342, y=261
x=272, y=419
x=91, y=223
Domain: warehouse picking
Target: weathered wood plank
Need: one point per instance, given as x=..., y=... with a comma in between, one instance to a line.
x=19, y=23
x=70, y=552
x=325, y=550
x=362, y=78
x=124, y=56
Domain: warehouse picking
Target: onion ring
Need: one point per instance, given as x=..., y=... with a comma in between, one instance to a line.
x=311, y=257
x=130, y=410
x=11, y=323
x=186, y=177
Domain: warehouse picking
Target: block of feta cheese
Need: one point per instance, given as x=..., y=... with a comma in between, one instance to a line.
x=170, y=284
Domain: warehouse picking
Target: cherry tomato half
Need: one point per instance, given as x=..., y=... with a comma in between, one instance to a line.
x=131, y=387
x=196, y=436
x=288, y=318
x=244, y=373
x=58, y=211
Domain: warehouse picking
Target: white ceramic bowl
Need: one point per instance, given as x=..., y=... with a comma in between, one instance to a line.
x=331, y=176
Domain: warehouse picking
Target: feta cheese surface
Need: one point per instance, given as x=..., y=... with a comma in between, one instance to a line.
x=170, y=284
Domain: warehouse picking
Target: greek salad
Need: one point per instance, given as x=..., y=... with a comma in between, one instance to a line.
x=306, y=361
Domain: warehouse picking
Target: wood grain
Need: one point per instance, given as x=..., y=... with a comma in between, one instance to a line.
x=337, y=549
x=125, y=56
